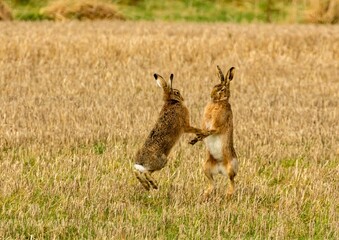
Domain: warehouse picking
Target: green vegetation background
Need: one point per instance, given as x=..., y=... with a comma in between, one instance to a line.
x=186, y=10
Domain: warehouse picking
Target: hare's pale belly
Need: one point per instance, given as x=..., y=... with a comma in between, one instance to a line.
x=214, y=145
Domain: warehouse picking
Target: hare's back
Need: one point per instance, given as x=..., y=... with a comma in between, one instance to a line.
x=166, y=132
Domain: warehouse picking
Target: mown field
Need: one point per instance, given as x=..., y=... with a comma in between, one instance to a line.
x=77, y=100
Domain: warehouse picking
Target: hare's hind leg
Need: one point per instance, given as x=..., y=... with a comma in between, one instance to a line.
x=142, y=179
x=232, y=170
x=209, y=170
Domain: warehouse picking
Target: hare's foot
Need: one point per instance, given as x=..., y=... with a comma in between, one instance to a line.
x=151, y=181
x=230, y=191
x=210, y=188
x=231, y=187
x=207, y=193
x=142, y=180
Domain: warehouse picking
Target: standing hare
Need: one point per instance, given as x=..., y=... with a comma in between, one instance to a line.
x=218, y=121
x=173, y=121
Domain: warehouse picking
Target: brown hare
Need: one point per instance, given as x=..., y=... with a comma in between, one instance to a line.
x=173, y=121
x=218, y=122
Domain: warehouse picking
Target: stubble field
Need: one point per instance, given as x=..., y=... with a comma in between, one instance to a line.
x=78, y=99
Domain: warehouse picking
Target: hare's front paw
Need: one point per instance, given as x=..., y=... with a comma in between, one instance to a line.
x=201, y=136
x=193, y=141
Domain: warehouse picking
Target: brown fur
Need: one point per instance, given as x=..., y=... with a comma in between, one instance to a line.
x=218, y=122
x=173, y=121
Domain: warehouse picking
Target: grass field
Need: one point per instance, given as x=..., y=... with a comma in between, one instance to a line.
x=78, y=99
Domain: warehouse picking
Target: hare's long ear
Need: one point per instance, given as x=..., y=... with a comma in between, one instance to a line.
x=161, y=82
x=230, y=74
x=170, y=82
x=220, y=75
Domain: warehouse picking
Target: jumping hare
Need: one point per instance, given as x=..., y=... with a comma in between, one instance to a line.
x=218, y=121
x=173, y=121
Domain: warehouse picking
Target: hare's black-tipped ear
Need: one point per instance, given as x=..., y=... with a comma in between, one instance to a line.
x=230, y=74
x=160, y=81
x=171, y=80
x=220, y=75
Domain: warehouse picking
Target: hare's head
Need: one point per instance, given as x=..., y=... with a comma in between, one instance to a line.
x=221, y=91
x=169, y=92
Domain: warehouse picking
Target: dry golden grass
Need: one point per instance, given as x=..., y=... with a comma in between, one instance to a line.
x=78, y=99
